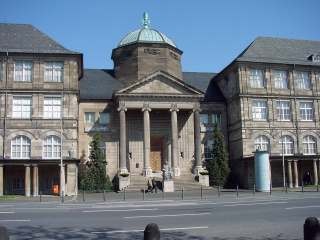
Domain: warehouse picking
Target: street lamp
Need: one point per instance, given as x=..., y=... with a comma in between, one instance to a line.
x=283, y=164
x=62, y=175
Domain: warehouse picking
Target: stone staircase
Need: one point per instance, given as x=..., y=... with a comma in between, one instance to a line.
x=187, y=182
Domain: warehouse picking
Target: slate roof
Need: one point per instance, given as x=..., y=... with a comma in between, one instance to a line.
x=25, y=38
x=280, y=50
x=100, y=84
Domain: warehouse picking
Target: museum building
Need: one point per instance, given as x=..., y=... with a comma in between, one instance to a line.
x=151, y=113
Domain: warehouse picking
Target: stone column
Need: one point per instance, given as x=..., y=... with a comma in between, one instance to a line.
x=35, y=181
x=296, y=176
x=315, y=172
x=27, y=185
x=123, y=141
x=72, y=179
x=1, y=180
x=174, y=140
x=147, y=171
x=290, y=185
x=197, y=140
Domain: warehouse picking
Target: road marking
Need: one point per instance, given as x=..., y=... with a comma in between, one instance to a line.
x=168, y=215
x=252, y=204
x=162, y=229
x=15, y=220
x=7, y=212
x=121, y=210
x=301, y=207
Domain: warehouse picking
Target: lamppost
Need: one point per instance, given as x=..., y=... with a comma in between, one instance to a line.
x=283, y=163
x=62, y=175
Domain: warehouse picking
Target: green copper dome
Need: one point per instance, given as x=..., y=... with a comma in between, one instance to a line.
x=145, y=35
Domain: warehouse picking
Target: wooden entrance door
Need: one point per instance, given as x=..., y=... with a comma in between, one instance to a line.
x=156, y=153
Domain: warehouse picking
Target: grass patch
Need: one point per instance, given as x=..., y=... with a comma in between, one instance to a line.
x=8, y=197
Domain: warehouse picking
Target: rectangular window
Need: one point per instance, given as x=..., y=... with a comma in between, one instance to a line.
x=259, y=110
x=283, y=110
x=53, y=72
x=306, y=111
x=23, y=71
x=256, y=78
x=280, y=79
x=21, y=107
x=104, y=118
x=52, y=107
x=204, y=118
x=216, y=118
x=303, y=80
x=89, y=117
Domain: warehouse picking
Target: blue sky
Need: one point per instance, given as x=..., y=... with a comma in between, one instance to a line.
x=210, y=33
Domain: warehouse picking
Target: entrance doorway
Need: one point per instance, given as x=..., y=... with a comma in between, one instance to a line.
x=156, y=153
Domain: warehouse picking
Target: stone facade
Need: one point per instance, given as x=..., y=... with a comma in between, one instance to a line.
x=37, y=128
x=243, y=129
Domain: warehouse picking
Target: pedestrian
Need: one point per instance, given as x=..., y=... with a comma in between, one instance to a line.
x=154, y=185
x=149, y=185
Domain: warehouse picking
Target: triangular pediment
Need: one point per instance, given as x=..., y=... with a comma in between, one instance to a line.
x=160, y=83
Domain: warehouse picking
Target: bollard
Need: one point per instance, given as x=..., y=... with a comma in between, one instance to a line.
x=302, y=187
x=4, y=233
x=40, y=196
x=311, y=228
x=182, y=194
x=237, y=191
x=286, y=188
x=143, y=193
x=62, y=197
x=270, y=189
x=201, y=192
x=151, y=232
x=254, y=189
x=104, y=195
x=83, y=197
x=317, y=187
x=219, y=191
x=163, y=194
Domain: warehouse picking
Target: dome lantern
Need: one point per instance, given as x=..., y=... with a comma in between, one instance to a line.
x=146, y=34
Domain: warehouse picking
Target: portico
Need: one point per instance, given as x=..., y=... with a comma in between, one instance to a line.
x=138, y=106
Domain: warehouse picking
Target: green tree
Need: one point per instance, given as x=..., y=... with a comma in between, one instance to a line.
x=217, y=165
x=93, y=175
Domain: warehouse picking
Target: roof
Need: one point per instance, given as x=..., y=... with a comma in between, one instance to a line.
x=145, y=35
x=100, y=84
x=25, y=38
x=202, y=81
x=281, y=50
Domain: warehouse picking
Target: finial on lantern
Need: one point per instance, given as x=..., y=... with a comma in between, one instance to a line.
x=146, y=20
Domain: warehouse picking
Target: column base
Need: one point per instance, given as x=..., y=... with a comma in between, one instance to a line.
x=123, y=171
x=197, y=170
x=147, y=172
x=176, y=172
x=290, y=186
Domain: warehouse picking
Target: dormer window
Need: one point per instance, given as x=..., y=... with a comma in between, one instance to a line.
x=315, y=58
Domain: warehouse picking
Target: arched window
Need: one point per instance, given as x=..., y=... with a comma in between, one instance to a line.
x=309, y=145
x=287, y=145
x=52, y=147
x=261, y=143
x=20, y=147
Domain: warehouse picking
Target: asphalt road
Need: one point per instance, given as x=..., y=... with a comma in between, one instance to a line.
x=248, y=217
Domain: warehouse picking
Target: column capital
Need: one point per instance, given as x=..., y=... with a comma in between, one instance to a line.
x=122, y=107
x=27, y=165
x=174, y=108
x=146, y=107
x=34, y=165
x=196, y=108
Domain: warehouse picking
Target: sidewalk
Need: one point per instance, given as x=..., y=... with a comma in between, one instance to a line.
x=180, y=194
